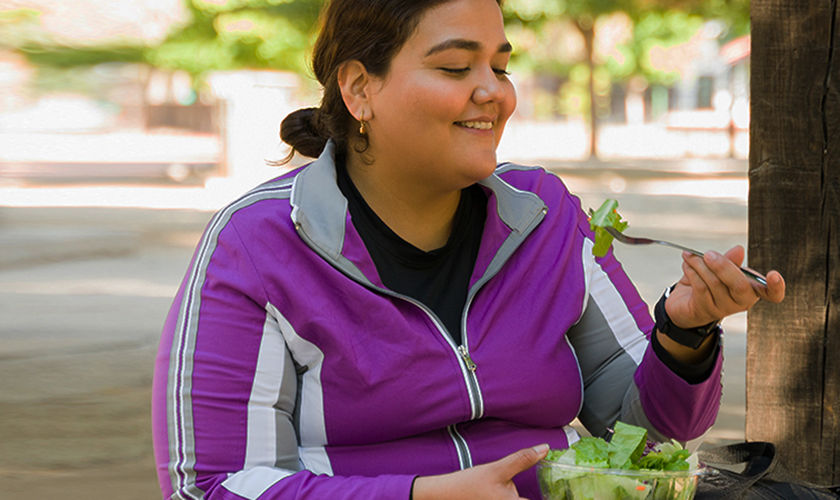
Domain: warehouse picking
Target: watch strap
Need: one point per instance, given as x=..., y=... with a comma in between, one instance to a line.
x=690, y=337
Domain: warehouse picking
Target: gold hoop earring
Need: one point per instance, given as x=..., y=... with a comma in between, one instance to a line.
x=362, y=127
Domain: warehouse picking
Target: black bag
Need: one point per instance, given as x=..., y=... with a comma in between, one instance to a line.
x=763, y=478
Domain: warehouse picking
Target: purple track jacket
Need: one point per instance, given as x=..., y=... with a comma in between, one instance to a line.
x=287, y=370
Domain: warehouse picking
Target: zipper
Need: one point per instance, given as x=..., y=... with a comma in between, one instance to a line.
x=467, y=359
x=464, y=456
x=464, y=351
x=468, y=367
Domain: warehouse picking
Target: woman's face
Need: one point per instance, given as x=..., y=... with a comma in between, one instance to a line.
x=439, y=113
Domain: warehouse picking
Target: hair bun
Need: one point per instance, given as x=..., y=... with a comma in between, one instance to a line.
x=302, y=130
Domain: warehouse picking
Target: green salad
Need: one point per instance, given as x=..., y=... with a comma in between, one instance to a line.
x=606, y=216
x=627, y=466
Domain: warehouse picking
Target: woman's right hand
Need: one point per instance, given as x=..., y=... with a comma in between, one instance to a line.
x=490, y=481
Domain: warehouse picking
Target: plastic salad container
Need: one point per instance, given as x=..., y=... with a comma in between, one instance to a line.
x=560, y=481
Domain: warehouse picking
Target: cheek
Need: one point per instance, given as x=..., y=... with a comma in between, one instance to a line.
x=436, y=99
x=441, y=106
x=506, y=108
x=509, y=103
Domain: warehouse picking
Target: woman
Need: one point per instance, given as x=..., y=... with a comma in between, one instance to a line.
x=403, y=318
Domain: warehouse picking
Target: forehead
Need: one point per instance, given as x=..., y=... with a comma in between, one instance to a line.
x=475, y=20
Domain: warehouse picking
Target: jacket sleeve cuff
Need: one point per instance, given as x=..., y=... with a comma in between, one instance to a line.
x=674, y=406
x=692, y=373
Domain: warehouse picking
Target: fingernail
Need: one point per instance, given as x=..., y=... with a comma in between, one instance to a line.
x=541, y=448
x=713, y=256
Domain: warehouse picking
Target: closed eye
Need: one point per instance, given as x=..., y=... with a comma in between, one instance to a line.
x=460, y=71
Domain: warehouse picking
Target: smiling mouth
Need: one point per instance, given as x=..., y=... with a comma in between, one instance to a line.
x=476, y=125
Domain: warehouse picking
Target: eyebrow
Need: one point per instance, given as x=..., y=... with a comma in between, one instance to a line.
x=463, y=44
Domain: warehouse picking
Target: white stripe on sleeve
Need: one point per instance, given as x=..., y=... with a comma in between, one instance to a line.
x=615, y=311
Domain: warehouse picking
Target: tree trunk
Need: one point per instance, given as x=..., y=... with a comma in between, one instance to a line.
x=793, y=348
x=587, y=29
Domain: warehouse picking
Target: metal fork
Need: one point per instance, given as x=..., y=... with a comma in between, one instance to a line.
x=630, y=240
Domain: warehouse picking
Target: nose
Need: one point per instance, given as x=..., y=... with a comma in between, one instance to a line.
x=489, y=88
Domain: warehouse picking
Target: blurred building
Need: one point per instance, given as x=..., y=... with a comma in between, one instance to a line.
x=105, y=121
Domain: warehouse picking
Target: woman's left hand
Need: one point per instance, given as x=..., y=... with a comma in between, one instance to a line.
x=713, y=287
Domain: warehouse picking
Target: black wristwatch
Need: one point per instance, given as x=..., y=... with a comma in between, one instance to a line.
x=691, y=337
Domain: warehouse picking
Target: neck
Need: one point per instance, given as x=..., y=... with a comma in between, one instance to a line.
x=415, y=212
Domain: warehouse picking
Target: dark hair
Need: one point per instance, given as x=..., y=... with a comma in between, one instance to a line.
x=368, y=31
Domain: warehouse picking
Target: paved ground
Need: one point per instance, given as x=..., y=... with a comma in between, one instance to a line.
x=84, y=290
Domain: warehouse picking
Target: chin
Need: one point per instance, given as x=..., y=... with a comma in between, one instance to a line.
x=484, y=169
x=490, y=162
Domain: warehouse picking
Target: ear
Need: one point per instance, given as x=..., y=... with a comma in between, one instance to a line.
x=355, y=83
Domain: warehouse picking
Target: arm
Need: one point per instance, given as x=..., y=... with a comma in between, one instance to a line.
x=225, y=390
x=622, y=375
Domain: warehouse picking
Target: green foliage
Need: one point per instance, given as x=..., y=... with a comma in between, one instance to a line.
x=734, y=13
x=18, y=27
x=221, y=35
x=535, y=11
x=530, y=11
x=656, y=25
x=63, y=56
x=17, y=17
x=258, y=34
x=658, y=31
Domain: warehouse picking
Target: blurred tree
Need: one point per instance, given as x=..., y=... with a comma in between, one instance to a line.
x=18, y=26
x=655, y=22
x=220, y=35
x=232, y=34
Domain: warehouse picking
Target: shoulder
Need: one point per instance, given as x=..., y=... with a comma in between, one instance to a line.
x=564, y=207
x=264, y=207
x=532, y=178
x=536, y=179
x=265, y=198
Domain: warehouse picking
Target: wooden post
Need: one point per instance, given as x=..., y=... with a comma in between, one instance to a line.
x=793, y=349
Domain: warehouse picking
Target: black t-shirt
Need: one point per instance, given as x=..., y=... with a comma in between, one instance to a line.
x=439, y=278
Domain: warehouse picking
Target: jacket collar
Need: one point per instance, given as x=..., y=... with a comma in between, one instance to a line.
x=319, y=209
x=516, y=208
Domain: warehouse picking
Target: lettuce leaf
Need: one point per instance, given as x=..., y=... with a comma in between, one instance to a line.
x=606, y=216
x=591, y=451
x=624, y=450
x=666, y=456
x=626, y=446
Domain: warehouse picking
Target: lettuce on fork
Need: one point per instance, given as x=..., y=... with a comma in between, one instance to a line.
x=606, y=216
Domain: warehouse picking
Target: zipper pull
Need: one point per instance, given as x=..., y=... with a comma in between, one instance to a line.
x=467, y=359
